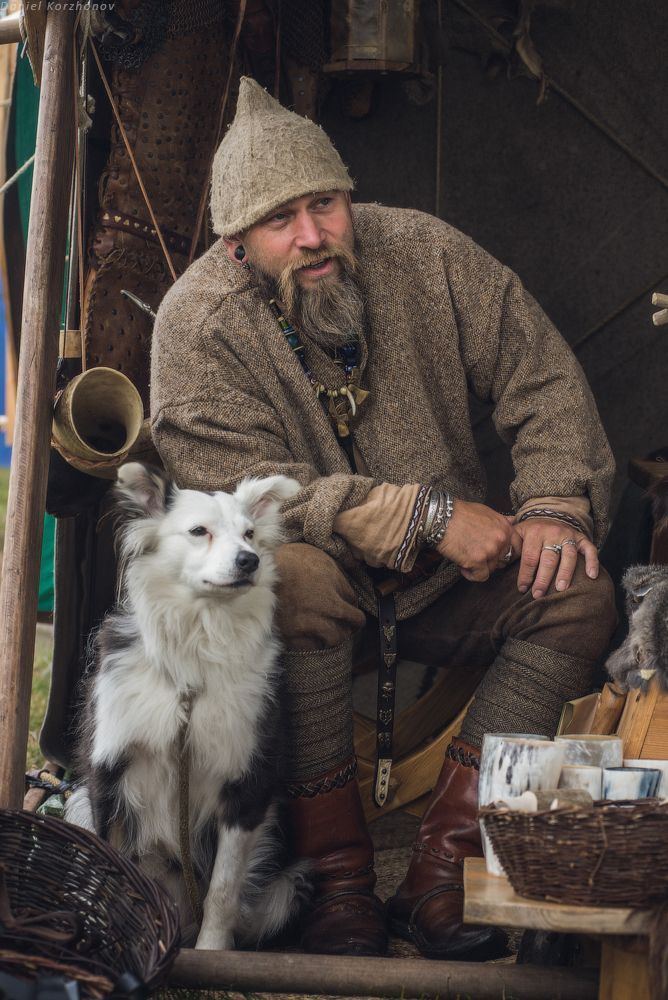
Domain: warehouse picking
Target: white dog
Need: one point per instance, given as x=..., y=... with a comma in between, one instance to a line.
x=190, y=655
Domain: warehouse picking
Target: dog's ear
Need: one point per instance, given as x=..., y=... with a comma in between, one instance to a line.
x=260, y=496
x=141, y=490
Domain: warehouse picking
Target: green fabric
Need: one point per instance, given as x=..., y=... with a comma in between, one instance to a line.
x=26, y=106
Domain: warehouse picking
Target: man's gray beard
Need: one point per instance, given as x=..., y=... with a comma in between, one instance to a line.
x=330, y=314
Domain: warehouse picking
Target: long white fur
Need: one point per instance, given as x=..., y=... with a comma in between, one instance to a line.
x=190, y=631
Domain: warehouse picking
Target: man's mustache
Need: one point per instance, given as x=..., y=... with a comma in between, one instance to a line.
x=310, y=257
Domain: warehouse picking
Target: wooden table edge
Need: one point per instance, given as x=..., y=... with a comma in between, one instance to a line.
x=490, y=899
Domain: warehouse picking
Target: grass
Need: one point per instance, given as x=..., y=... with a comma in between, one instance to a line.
x=42, y=660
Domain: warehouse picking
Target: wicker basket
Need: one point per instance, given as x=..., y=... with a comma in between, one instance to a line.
x=72, y=905
x=611, y=855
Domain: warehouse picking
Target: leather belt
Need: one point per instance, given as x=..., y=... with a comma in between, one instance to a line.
x=387, y=685
x=144, y=230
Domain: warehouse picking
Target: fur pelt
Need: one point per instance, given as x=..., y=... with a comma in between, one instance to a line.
x=644, y=653
x=194, y=625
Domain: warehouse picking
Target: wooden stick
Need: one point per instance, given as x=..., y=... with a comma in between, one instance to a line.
x=45, y=259
x=659, y=299
x=274, y=972
x=10, y=31
x=660, y=318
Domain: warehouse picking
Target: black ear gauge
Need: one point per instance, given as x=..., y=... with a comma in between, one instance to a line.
x=240, y=253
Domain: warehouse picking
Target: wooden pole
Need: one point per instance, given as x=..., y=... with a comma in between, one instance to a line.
x=272, y=972
x=45, y=258
x=10, y=31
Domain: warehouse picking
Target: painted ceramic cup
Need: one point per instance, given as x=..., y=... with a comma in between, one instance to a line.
x=630, y=782
x=589, y=779
x=659, y=765
x=593, y=750
x=511, y=765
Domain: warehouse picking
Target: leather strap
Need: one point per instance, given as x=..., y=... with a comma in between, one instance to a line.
x=387, y=685
x=144, y=230
x=184, y=813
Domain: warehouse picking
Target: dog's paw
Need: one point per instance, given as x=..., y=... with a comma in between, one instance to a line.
x=215, y=939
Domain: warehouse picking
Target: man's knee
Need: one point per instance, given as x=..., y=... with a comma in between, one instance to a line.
x=578, y=621
x=317, y=605
x=593, y=609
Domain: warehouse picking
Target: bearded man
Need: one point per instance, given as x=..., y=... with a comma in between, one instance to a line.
x=338, y=344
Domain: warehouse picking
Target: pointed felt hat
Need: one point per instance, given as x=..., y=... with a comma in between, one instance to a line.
x=269, y=156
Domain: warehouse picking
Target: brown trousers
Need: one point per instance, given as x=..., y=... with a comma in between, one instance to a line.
x=465, y=626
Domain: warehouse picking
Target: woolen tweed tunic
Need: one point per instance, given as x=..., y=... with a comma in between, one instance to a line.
x=230, y=399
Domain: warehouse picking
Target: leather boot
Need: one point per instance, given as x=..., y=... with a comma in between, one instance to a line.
x=427, y=909
x=329, y=828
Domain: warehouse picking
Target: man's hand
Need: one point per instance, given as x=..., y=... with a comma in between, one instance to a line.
x=539, y=565
x=479, y=540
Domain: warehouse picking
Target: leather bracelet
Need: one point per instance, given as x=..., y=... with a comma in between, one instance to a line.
x=554, y=515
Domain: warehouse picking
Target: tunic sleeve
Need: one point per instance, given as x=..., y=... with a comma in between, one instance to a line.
x=212, y=427
x=543, y=407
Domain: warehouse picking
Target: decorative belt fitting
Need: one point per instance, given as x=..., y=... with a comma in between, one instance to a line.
x=387, y=687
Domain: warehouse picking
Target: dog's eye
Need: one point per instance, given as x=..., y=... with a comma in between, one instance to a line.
x=199, y=530
x=249, y=534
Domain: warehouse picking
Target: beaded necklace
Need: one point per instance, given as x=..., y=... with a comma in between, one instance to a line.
x=343, y=403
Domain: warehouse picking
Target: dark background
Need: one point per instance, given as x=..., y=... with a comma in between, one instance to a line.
x=544, y=189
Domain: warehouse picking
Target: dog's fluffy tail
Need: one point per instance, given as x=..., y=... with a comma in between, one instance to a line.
x=280, y=903
x=274, y=893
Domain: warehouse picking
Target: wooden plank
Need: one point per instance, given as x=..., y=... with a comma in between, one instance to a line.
x=329, y=975
x=636, y=718
x=655, y=746
x=418, y=806
x=36, y=384
x=624, y=972
x=608, y=711
x=490, y=899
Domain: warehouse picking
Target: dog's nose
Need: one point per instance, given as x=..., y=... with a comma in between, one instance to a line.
x=247, y=562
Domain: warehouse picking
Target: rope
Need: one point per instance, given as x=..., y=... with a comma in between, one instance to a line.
x=617, y=312
x=128, y=147
x=77, y=188
x=439, y=116
x=184, y=815
x=563, y=93
x=12, y=180
x=219, y=128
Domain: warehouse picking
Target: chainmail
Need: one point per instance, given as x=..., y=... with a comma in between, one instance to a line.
x=129, y=42
x=303, y=32
x=186, y=16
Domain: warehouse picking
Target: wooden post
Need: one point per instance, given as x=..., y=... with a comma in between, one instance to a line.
x=330, y=975
x=45, y=258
